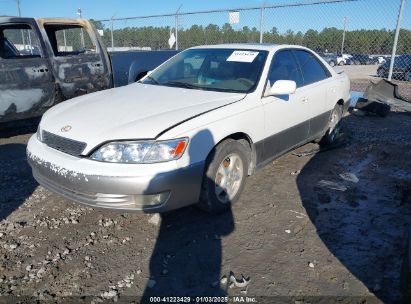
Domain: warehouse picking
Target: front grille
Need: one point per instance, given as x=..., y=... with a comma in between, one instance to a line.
x=66, y=145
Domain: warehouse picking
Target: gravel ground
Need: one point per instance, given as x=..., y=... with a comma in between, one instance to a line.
x=331, y=224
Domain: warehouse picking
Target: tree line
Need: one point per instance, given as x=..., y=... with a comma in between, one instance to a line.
x=329, y=39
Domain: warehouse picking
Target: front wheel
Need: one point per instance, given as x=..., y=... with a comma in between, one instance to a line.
x=225, y=175
x=333, y=126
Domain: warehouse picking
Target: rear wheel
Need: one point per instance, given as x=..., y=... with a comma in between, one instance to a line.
x=332, y=63
x=333, y=126
x=225, y=176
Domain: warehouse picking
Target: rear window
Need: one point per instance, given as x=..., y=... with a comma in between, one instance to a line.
x=313, y=70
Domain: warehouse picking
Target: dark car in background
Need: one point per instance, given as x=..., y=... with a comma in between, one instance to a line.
x=331, y=58
x=361, y=59
x=401, y=69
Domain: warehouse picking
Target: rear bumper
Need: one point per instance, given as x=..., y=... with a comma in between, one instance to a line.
x=141, y=191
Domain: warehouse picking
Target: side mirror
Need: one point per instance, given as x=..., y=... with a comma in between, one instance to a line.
x=282, y=87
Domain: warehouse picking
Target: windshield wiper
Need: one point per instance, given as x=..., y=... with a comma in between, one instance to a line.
x=182, y=84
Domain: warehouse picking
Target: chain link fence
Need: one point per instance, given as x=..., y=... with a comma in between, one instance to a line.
x=358, y=35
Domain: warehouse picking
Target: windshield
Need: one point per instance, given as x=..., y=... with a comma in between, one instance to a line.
x=224, y=70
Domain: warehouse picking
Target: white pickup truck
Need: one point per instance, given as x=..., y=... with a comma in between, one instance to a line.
x=190, y=131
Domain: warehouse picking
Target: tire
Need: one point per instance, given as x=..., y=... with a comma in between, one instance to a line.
x=332, y=63
x=333, y=126
x=341, y=63
x=215, y=198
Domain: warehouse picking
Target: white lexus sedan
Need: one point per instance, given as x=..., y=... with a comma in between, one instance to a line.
x=191, y=131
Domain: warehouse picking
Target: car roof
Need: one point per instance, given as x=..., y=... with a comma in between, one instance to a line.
x=248, y=46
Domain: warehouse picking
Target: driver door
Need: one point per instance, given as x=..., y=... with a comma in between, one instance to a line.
x=287, y=118
x=26, y=78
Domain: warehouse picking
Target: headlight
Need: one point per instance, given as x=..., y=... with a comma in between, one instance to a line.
x=140, y=152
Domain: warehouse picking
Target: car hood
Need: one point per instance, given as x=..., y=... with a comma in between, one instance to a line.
x=136, y=111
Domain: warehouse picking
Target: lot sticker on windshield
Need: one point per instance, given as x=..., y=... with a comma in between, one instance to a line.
x=242, y=56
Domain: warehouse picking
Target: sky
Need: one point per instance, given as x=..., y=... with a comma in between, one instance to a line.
x=369, y=14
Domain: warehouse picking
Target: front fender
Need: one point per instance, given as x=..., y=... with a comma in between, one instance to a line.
x=205, y=131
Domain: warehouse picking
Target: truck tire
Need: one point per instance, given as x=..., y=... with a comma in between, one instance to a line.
x=224, y=176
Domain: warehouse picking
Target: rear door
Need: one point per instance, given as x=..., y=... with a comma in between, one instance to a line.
x=318, y=88
x=80, y=61
x=26, y=79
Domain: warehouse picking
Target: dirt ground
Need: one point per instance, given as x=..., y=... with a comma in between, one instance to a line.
x=327, y=227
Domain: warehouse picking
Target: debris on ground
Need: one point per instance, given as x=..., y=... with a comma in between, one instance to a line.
x=371, y=106
x=241, y=283
x=300, y=215
x=331, y=185
x=155, y=219
x=385, y=92
x=307, y=152
x=339, y=143
x=349, y=177
x=358, y=112
x=378, y=99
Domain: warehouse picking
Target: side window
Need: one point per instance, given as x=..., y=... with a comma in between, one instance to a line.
x=70, y=40
x=284, y=67
x=18, y=41
x=311, y=68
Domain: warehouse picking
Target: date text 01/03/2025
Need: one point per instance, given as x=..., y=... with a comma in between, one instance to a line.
x=203, y=299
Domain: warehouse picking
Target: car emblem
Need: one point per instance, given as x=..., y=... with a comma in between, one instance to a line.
x=66, y=128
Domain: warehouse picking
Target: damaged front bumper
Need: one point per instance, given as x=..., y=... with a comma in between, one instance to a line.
x=127, y=187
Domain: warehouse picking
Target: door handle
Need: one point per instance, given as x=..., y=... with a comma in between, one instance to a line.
x=305, y=99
